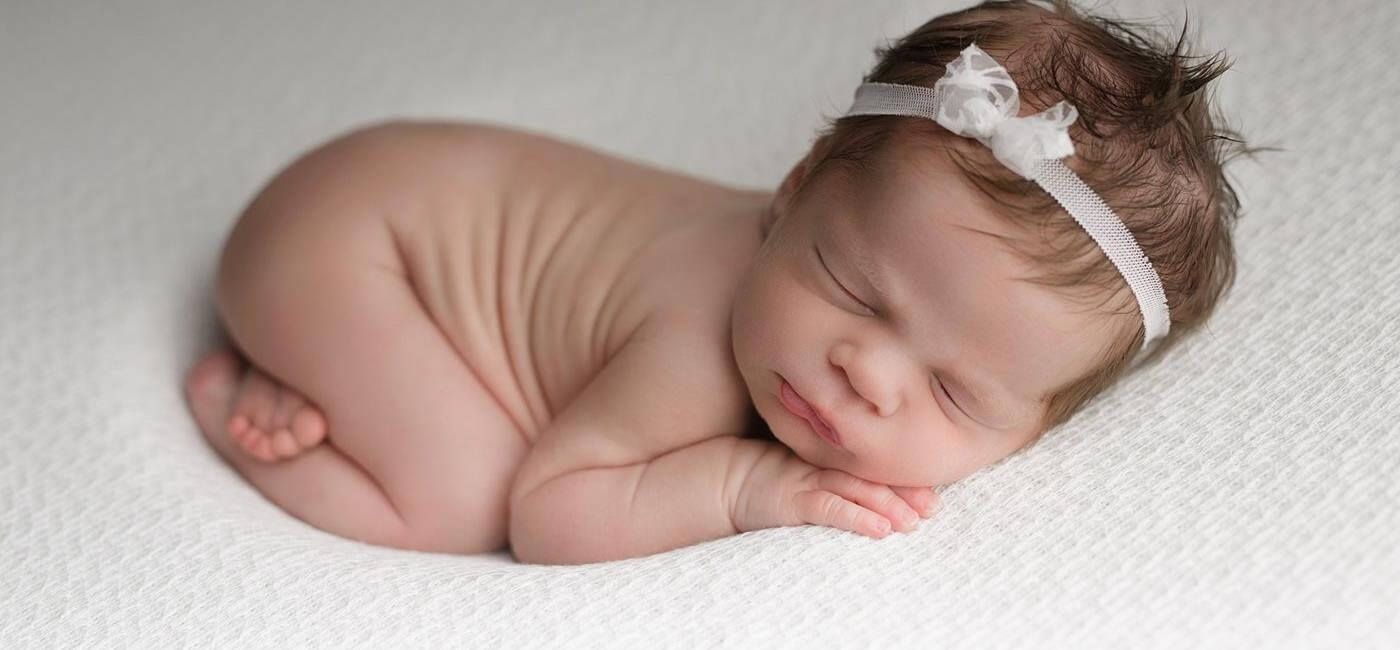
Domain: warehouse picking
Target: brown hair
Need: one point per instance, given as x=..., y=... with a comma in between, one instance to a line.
x=1145, y=140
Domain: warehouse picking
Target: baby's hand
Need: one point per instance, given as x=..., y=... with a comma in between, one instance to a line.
x=788, y=491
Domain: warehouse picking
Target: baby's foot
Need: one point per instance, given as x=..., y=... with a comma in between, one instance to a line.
x=210, y=387
x=268, y=420
x=271, y=421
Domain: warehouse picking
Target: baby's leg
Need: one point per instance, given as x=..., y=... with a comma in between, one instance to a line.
x=345, y=499
x=313, y=292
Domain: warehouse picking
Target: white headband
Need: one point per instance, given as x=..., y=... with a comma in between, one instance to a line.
x=977, y=99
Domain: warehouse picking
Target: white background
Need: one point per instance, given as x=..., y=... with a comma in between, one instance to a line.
x=1243, y=493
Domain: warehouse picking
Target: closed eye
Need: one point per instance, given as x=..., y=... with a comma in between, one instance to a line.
x=838, y=282
x=949, y=395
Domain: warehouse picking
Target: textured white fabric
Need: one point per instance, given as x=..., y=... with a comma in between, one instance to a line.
x=1241, y=494
x=977, y=98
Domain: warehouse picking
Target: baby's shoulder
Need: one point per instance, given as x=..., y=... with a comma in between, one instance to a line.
x=680, y=377
x=677, y=371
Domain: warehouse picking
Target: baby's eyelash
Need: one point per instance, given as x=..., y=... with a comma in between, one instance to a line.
x=949, y=395
x=838, y=282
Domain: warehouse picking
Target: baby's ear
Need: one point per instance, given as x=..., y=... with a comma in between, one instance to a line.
x=799, y=172
x=796, y=177
x=765, y=223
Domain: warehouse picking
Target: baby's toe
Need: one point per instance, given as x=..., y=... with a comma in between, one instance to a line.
x=308, y=427
x=284, y=445
x=237, y=425
x=245, y=437
x=262, y=449
x=256, y=444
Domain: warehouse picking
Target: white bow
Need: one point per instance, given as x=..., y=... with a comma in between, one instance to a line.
x=980, y=101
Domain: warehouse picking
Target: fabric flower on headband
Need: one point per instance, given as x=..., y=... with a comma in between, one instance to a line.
x=980, y=101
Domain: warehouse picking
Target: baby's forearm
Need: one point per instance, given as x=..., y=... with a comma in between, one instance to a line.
x=680, y=498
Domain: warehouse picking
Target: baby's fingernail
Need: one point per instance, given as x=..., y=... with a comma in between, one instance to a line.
x=882, y=526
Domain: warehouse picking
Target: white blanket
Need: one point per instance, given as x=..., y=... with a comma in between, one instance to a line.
x=1244, y=493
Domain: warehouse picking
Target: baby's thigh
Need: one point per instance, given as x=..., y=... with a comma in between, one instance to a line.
x=313, y=290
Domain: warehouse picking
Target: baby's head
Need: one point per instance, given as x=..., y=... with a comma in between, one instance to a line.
x=941, y=311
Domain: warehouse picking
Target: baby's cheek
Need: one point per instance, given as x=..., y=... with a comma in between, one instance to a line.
x=917, y=461
x=874, y=465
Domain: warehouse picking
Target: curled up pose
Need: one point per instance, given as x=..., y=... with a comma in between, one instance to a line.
x=460, y=338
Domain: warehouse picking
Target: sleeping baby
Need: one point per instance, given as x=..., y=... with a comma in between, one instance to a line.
x=460, y=338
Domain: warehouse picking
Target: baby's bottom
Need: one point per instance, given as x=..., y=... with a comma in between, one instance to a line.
x=417, y=453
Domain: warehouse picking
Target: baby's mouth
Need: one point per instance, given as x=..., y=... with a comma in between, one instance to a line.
x=798, y=406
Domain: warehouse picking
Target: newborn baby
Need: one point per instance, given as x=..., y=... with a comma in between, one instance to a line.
x=459, y=337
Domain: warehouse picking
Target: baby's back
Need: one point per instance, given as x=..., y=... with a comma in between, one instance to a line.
x=539, y=259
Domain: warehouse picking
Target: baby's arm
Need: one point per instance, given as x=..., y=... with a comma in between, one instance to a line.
x=599, y=514
x=618, y=474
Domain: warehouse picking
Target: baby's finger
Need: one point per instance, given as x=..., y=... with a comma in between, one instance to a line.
x=826, y=509
x=923, y=500
x=875, y=496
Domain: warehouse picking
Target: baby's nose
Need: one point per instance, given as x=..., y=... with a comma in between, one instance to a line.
x=841, y=353
x=867, y=378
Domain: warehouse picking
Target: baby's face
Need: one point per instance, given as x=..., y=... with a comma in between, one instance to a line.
x=906, y=331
